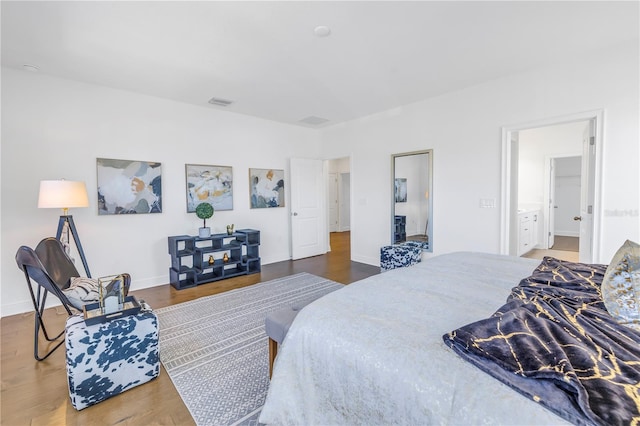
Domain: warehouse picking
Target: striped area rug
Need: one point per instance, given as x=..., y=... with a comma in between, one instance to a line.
x=215, y=348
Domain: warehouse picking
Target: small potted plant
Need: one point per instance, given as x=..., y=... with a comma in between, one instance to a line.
x=204, y=211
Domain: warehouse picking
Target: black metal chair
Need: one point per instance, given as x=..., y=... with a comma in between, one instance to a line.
x=34, y=270
x=51, y=269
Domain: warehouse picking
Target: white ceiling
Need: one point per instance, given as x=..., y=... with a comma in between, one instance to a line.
x=265, y=57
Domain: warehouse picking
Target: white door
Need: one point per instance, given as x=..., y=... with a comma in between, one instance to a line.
x=587, y=197
x=552, y=203
x=308, y=212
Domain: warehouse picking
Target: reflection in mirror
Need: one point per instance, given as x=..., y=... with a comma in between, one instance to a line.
x=412, y=183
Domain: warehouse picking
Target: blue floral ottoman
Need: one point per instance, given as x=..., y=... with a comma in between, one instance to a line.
x=399, y=256
x=106, y=359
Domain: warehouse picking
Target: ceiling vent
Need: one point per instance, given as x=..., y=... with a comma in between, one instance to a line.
x=313, y=120
x=220, y=102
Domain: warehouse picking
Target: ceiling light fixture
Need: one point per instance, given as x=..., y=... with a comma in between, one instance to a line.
x=30, y=68
x=322, y=31
x=220, y=102
x=313, y=120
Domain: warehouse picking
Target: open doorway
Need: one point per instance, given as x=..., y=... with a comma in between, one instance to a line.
x=565, y=176
x=320, y=193
x=561, y=206
x=549, y=188
x=339, y=200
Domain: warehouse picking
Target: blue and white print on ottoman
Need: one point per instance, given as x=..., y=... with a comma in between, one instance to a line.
x=399, y=256
x=109, y=358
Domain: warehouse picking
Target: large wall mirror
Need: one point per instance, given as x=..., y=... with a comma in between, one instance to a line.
x=412, y=183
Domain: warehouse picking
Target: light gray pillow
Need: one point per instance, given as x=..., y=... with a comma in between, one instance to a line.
x=82, y=291
x=621, y=286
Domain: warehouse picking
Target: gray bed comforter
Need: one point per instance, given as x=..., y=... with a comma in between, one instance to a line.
x=372, y=353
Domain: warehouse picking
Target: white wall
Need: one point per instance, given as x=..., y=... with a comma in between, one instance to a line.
x=536, y=147
x=54, y=128
x=464, y=130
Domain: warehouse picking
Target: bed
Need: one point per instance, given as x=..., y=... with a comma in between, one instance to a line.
x=393, y=349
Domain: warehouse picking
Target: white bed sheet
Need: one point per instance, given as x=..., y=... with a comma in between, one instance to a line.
x=372, y=353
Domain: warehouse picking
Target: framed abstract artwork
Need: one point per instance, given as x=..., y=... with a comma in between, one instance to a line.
x=266, y=188
x=211, y=184
x=129, y=187
x=401, y=190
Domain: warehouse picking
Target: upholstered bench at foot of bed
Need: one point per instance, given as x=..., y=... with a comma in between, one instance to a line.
x=400, y=255
x=109, y=358
x=277, y=325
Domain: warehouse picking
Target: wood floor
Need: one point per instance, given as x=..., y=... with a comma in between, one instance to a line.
x=564, y=248
x=566, y=243
x=36, y=393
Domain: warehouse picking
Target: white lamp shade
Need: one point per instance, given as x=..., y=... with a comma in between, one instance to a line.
x=62, y=194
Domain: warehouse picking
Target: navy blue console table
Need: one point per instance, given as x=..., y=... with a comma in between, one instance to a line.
x=196, y=260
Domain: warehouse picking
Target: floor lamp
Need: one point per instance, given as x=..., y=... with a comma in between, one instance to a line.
x=65, y=194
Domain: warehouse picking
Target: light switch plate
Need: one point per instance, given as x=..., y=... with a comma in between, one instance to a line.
x=487, y=203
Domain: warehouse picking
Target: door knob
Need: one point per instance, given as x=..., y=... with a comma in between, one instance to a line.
x=577, y=218
x=295, y=214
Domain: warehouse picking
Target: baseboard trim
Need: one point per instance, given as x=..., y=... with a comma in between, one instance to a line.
x=367, y=260
x=567, y=234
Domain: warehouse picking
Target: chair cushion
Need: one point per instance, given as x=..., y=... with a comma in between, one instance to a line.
x=621, y=286
x=277, y=323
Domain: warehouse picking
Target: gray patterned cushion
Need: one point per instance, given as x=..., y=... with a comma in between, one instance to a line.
x=621, y=286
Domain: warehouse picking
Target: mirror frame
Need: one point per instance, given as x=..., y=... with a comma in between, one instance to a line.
x=429, y=227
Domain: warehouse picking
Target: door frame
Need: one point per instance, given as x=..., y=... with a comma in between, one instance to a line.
x=595, y=179
x=333, y=186
x=342, y=227
x=549, y=200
